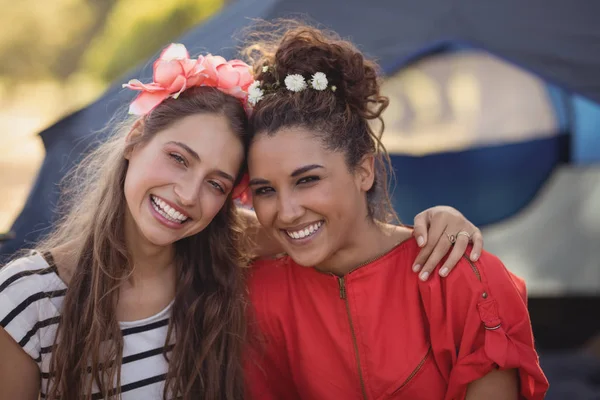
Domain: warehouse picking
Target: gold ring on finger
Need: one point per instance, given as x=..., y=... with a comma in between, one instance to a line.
x=451, y=238
x=464, y=234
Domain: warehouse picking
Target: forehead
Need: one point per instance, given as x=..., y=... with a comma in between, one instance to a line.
x=287, y=150
x=211, y=137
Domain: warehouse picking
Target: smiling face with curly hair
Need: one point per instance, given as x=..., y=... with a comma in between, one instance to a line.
x=317, y=169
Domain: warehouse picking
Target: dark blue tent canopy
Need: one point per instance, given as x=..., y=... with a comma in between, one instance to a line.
x=557, y=40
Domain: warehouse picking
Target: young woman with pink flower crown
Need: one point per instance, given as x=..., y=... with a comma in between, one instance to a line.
x=138, y=293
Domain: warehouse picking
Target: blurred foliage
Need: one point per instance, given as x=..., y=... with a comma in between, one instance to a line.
x=135, y=32
x=54, y=39
x=59, y=55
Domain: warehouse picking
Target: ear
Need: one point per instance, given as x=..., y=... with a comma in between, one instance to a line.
x=365, y=172
x=134, y=134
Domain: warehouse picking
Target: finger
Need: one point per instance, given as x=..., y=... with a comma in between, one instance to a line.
x=455, y=255
x=477, y=238
x=420, y=231
x=436, y=230
x=434, y=251
x=440, y=250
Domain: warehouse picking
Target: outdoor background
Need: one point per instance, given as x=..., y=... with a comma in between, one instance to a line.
x=57, y=56
x=463, y=128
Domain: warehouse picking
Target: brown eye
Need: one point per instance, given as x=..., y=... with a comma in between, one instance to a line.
x=217, y=186
x=177, y=158
x=308, y=179
x=261, y=191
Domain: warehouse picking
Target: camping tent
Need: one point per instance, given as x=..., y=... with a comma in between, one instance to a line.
x=556, y=40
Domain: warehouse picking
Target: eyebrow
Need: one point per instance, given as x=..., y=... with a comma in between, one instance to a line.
x=299, y=171
x=305, y=169
x=225, y=175
x=187, y=148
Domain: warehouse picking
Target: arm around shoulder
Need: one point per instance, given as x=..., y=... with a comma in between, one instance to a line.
x=19, y=374
x=481, y=332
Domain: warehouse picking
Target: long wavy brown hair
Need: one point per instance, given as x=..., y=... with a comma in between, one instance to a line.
x=207, y=326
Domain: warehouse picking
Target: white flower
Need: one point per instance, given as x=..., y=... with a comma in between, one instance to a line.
x=295, y=83
x=255, y=93
x=319, y=81
x=265, y=68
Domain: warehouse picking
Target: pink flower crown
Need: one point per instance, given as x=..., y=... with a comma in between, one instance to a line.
x=175, y=71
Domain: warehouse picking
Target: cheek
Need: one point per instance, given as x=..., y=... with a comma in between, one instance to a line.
x=211, y=204
x=146, y=169
x=265, y=209
x=332, y=201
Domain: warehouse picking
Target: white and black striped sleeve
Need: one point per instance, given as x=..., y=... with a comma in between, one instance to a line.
x=23, y=293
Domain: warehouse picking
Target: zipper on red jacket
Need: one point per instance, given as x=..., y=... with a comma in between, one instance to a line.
x=342, y=284
x=415, y=371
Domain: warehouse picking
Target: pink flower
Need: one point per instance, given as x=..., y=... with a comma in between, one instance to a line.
x=231, y=77
x=175, y=72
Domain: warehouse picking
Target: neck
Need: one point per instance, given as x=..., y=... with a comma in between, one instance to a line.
x=372, y=240
x=149, y=260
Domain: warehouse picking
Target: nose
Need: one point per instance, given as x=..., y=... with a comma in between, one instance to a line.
x=288, y=209
x=187, y=192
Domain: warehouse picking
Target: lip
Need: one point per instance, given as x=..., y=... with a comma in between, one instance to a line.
x=163, y=220
x=174, y=206
x=299, y=227
x=303, y=241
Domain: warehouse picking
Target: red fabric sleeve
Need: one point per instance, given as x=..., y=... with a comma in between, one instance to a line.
x=479, y=321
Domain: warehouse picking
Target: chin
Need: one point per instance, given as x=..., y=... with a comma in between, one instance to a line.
x=306, y=259
x=159, y=238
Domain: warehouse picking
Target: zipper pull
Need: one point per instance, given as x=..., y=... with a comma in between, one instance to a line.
x=342, y=285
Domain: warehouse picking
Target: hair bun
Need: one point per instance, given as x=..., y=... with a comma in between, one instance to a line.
x=304, y=50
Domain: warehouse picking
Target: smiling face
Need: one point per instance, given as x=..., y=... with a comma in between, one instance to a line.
x=305, y=195
x=178, y=181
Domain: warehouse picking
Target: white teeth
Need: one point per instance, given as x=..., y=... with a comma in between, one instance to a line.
x=308, y=231
x=167, y=211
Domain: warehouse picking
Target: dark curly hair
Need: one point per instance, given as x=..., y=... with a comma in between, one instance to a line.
x=343, y=118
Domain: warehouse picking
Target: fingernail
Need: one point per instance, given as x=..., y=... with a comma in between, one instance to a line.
x=416, y=268
x=420, y=241
x=424, y=275
x=444, y=271
x=474, y=256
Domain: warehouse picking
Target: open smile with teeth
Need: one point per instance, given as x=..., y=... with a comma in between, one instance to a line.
x=167, y=211
x=306, y=232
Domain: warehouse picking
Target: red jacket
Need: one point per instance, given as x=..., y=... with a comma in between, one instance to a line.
x=381, y=333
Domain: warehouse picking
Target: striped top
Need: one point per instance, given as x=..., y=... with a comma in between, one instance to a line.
x=31, y=295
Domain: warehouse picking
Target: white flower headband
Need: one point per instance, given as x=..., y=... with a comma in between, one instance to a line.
x=293, y=82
